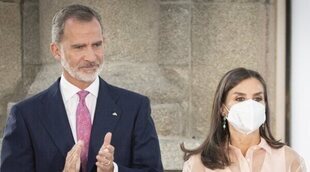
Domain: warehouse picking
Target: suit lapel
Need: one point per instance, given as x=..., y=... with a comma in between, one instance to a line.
x=107, y=114
x=56, y=121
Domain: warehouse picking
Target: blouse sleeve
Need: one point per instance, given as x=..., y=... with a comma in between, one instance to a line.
x=294, y=162
x=187, y=167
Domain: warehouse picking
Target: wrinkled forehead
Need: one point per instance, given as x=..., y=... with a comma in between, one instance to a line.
x=77, y=30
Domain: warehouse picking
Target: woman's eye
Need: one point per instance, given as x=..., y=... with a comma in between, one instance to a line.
x=258, y=99
x=240, y=99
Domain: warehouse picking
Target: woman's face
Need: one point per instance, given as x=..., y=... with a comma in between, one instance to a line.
x=250, y=88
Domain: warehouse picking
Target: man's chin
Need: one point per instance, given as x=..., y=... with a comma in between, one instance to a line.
x=87, y=77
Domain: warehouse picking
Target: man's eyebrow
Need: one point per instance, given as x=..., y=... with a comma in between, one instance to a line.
x=78, y=45
x=97, y=42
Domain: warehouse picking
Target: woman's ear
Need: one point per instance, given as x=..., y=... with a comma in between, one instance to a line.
x=224, y=110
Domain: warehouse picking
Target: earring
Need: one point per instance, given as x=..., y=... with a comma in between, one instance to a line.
x=224, y=122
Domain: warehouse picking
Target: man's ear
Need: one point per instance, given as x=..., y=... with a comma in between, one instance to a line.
x=55, y=50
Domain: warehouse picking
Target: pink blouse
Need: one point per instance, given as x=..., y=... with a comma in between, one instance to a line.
x=259, y=158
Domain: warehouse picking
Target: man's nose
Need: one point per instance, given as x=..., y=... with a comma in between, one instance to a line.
x=90, y=55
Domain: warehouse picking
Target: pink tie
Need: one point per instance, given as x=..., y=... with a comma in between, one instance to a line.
x=83, y=126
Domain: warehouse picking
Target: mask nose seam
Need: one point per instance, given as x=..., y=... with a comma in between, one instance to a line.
x=253, y=112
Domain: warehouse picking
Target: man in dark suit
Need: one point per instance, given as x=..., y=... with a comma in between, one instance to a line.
x=80, y=123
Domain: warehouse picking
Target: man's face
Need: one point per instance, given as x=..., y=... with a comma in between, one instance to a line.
x=80, y=51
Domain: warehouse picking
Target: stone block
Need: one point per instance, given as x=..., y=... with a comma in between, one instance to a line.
x=10, y=55
x=174, y=34
x=229, y=32
x=171, y=152
x=3, y=117
x=178, y=75
x=10, y=52
x=47, y=76
x=233, y=1
x=31, y=34
x=210, y=1
x=131, y=29
x=175, y=1
x=11, y=1
x=168, y=118
x=203, y=87
x=30, y=72
x=146, y=78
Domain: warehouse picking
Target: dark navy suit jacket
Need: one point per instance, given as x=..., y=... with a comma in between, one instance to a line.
x=37, y=136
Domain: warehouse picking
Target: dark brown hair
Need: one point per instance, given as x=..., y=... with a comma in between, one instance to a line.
x=214, y=150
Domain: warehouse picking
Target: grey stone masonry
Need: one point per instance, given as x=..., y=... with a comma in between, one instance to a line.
x=173, y=51
x=10, y=55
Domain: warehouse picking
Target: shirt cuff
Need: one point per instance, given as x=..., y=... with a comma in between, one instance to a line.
x=115, y=167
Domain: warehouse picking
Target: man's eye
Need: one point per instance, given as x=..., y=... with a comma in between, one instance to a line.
x=78, y=47
x=98, y=45
x=240, y=99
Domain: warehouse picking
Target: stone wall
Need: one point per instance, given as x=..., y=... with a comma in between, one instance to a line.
x=173, y=51
x=10, y=55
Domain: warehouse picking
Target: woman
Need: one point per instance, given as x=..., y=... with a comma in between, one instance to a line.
x=240, y=138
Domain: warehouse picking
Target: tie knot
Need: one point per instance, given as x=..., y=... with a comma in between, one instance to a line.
x=82, y=94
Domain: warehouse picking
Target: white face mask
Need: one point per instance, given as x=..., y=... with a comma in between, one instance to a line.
x=247, y=116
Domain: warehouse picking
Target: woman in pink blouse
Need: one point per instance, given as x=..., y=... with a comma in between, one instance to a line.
x=240, y=138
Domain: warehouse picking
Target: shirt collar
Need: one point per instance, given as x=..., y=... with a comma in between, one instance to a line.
x=262, y=145
x=93, y=88
x=69, y=90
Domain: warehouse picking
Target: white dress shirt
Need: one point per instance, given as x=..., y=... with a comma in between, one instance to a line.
x=71, y=100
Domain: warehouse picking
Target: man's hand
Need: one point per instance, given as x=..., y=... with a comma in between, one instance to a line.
x=73, y=160
x=105, y=156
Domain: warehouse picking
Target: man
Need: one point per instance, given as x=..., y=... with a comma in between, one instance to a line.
x=80, y=123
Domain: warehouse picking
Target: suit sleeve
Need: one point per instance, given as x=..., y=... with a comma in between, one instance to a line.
x=146, y=152
x=16, y=152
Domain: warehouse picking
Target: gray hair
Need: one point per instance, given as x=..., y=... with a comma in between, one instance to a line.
x=77, y=11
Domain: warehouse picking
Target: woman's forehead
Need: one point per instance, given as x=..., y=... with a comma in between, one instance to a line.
x=248, y=86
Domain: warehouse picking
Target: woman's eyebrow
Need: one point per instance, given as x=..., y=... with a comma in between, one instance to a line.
x=239, y=93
